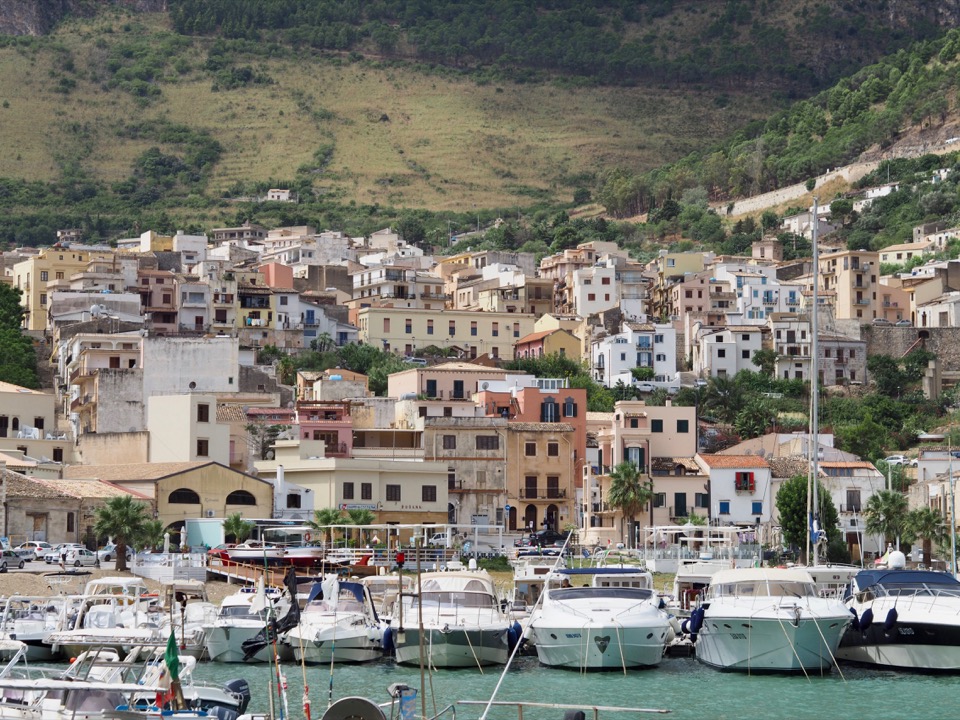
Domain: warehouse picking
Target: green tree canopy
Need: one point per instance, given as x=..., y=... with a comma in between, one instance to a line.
x=926, y=524
x=628, y=491
x=886, y=515
x=121, y=518
x=792, y=506
x=324, y=519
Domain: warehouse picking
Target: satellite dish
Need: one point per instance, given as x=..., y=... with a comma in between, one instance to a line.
x=353, y=708
x=484, y=385
x=270, y=454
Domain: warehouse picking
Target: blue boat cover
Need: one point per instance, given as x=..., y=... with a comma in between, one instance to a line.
x=866, y=578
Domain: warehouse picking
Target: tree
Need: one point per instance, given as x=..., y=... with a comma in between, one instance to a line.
x=628, y=492
x=766, y=360
x=927, y=524
x=151, y=537
x=323, y=520
x=754, y=419
x=261, y=437
x=722, y=398
x=361, y=516
x=794, y=520
x=886, y=515
x=121, y=518
x=234, y=525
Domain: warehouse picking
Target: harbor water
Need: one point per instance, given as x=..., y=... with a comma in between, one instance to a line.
x=681, y=685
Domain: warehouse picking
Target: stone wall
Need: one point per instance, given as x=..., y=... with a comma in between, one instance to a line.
x=895, y=341
x=112, y=448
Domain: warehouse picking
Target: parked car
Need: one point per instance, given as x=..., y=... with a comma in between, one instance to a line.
x=78, y=557
x=900, y=460
x=414, y=360
x=53, y=556
x=109, y=553
x=9, y=559
x=220, y=551
x=644, y=387
x=903, y=323
x=38, y=548
x=542, y=538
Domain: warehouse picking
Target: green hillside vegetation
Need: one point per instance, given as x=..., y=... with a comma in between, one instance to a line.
x=915, y=87
x=620, y=42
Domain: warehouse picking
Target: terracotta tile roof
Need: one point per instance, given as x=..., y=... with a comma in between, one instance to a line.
x=21, y=486
x=90, y=489
x=130, y=471
x=279, y=412
x=855, y=464
x=669, y=463
x=230, y=413
x=734, y=461
x=533, y=337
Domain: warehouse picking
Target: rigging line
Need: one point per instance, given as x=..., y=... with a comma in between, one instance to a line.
x=827, y=646
x=466, y=634
x=333, y=646
x=793, y=649
x=623, y=663
x=503, y=675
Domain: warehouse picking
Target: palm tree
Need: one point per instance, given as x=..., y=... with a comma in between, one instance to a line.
x=121, y=518
x=886, y=514
x=627, y=491
x=722, y=398
x=927, y=524
x=360, y=516
x=152, y=535
x=323, y=519
x=238, y=527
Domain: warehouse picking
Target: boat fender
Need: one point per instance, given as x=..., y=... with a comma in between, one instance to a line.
x=696, y=621
x=675, y=624
x=891, y=620
x=515, y=635
x=866, y=620
x=573, y=715
x=387, y=642
x=685, y=626
x=855, y=623
x=662, y=604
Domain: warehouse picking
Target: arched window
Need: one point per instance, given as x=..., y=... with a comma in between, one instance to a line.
x=241, y=497
x=183, y=496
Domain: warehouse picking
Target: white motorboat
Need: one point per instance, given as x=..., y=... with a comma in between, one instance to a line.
x=600, y=617
x=243, y=616
x=338, y=625
x=767, y=619
x=530, y=571
x=31, y=619
x=463, y=623
x=906, y=619
x=253, y=552
x=691, y=582
x=385, y=591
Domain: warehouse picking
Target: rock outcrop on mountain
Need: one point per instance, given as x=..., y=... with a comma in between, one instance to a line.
x=38, y=17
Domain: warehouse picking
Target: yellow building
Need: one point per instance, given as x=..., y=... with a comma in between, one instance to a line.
x=34, y=274
x=541, y=483
x=181, y=490
x=404, y=330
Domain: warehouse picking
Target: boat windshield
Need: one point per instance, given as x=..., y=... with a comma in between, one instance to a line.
x=628, y=593
x=236, y=612
x=912, y=589
x=761, y=588
x=459, y=599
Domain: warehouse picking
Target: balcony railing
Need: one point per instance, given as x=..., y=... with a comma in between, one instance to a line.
x=542, y=493
x=80, y=401
x=853, y=508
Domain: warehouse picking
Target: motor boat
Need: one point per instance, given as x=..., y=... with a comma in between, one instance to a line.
x=691, y=582
x=30, y=619
x=530, y=572
x=241, y=617
x=767, y=619
x=903, y=618
x=462, y=621
x=303, y=555
x=385, y=591
x=600, y=618
x=254, y=552
x=338, y=624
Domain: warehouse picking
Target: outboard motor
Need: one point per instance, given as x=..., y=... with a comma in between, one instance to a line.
x=240, y=688
x=219, y=712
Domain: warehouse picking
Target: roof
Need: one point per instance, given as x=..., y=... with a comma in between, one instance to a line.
x=538, y=426
x=856, y=464
x=533, y=337
x=10, y=387
x=734, y=461
x=230, y=413
x=760, y=574
x=131, y=471
x=669, y=463
x=789, y=466
x=457, y=367
x=21, y=486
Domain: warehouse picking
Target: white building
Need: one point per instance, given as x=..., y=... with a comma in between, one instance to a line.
x=595, y=289
x=184, y=428
x=638, y=345
x=726, y=351
x=741, y=489
x=851, y=485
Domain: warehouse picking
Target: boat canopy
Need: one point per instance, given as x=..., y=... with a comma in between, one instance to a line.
x=866, y=578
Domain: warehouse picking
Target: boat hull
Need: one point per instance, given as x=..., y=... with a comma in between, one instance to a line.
x=345, y=648
x=599, y=647
x=910, y=643
x=225, y=645
x=455, y=647
x=773, y=644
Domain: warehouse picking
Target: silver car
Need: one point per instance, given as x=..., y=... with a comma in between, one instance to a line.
x=78, y=557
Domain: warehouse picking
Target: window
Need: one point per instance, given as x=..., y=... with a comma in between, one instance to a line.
x=756, y=507
x=386, y=325
x=495, y=330
x=701, y=500
x=70, y=519
x=453, y=327
x=634, y=422
x=656, y=425
x=530, y=449
x=724, y=507
x=853, y=501
x=283, y=299
x=659, y=499
x=114, y=361
x=721, y=353
x=745, y=354
x=44, y=275
x=605, y=281
x=408, y=326
x=393, y=493
x=549, y=411
x=744, y=482
x=516, y=330
x=488, y=442
x=429, y=327
x=429, y=493
x=203, y=447
x=366, y=491
x=683, y=426
x=203, y=413
x=458, y=390
x=59, y=276
x=569, y=408
x=473, y=327
x=167, y=298
x=348, y=491
x=293, y=501
x=591, y=296
x=183, y=496
x=449, y=442
x=43, y=298
x=553, y=449
x=38, y=423
x=58, y=455
x=431, y=388
x=241, y=497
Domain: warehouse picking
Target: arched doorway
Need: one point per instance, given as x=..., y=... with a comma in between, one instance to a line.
x=512, y=519
x=550, y=517
x=451, y=513
x=530, y=518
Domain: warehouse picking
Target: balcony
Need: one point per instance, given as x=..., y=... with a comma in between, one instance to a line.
x=434, y=296
x=600, y=507
x=542, y=493
x=855, y=508
x=861, y=301
x=223, y=299
x=79, y=402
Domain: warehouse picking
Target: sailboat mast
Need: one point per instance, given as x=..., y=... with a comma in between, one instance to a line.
x=814, y=440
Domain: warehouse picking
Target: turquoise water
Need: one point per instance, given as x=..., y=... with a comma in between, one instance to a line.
x=681, y=685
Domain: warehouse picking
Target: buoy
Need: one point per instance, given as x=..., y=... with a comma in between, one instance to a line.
x=307, y=537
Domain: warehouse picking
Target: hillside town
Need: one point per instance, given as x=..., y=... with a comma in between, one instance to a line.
x=152, y=352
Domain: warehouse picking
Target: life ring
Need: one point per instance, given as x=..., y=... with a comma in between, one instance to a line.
x=306, y=537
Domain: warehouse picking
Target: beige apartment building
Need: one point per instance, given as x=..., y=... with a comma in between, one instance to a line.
x=850, y=277
x=404, y=330
x=540, y=469
x=28, y=424
x=447, y=381
x=33, y=274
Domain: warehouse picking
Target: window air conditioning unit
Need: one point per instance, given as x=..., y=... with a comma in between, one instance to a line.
x=210, y=513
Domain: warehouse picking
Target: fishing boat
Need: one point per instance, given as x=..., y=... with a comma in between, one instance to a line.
x=241, y=617
x=338, y=624
x=767, y=619
x=462, y=622
x=599, y=618
x=907, y=619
